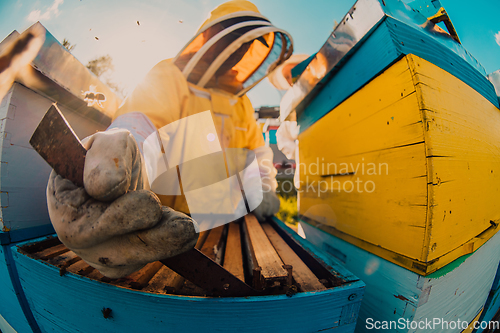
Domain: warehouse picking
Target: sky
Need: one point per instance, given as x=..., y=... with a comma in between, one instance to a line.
x=166, y=25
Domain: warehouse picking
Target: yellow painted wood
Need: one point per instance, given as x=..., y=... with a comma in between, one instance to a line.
x=470, y=328
x=462, y=132
x=435, y=143
x=378, y=126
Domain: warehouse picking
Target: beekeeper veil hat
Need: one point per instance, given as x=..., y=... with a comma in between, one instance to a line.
x=234, y=49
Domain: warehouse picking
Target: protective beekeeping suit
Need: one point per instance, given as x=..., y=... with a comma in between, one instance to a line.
x=288, y=132
x=116, y=223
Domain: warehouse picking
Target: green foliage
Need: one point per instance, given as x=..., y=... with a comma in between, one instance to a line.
x=100, y=65
x=288, y=209
x=66, y=43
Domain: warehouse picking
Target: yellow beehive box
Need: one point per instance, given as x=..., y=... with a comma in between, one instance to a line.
x=407, y=168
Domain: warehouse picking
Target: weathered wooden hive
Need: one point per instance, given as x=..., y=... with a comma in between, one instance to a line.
x=46, y=287
x=54, y=76
x=400, y=162
x=156, y=298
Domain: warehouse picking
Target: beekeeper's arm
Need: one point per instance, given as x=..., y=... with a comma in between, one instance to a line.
x=114, y=223
x=270, y=203
x=162, y=96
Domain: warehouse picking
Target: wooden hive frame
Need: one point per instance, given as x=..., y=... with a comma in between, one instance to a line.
x=281, y=268
x=77, y=303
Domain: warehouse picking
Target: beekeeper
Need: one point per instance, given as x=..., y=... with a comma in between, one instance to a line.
x=288, y=132
x=116, y=224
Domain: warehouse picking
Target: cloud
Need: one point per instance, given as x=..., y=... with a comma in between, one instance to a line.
x=497, y=38
x=52, y=11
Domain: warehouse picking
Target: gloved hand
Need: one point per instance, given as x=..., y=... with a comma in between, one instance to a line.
x=270, y=205
x=114, y=224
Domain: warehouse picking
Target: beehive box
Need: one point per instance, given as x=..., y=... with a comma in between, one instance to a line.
x=408, y=168
x=67, y=295
x=370, y=38
x=54, y=76
x=491, y=312
x=57, y=291
x=458, y=291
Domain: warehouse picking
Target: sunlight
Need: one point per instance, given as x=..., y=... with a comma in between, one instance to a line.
x=135, y=51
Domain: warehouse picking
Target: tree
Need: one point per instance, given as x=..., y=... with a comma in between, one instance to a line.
x=66, y=43
x=102, y=67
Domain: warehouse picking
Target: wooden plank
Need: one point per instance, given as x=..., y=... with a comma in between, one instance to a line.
x=50, y=298
x=96, y=275
x=233, y=257
x=162, y=282
x=265, y=254
x=52, y=252
x=141, y=278
x=301, y=273
x=249, y=257
x=80, y=268
x=33, y=248
x=172, y=281
x=64, y=260
x=213, y=243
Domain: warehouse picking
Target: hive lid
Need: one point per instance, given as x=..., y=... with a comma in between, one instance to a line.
x=354, y=29
x=60, y=76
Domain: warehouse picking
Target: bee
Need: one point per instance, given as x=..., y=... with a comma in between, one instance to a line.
x=106, y=313
x=93, y=97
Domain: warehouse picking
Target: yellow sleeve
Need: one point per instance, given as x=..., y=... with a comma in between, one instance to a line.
x=161, y=95
x=255, y=138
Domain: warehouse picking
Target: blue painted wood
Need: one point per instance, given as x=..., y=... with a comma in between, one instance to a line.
x=492, y=305
x=394, y=293
x=5, y=327
x=13, y=305
x=16, y=236
x=299, y=68
x=72, y=303
x=391, y=291
x=427, y=8
x=333, y=263
x=354, y=73
x=391, y=40
x=491, y=308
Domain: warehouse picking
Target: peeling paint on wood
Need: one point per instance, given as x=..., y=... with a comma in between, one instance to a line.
x=393, y=292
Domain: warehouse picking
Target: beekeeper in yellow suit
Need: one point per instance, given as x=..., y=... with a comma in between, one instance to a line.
x=116, y=223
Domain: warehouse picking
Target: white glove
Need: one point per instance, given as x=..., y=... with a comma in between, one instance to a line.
x=270, y=205
x=114, y=224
